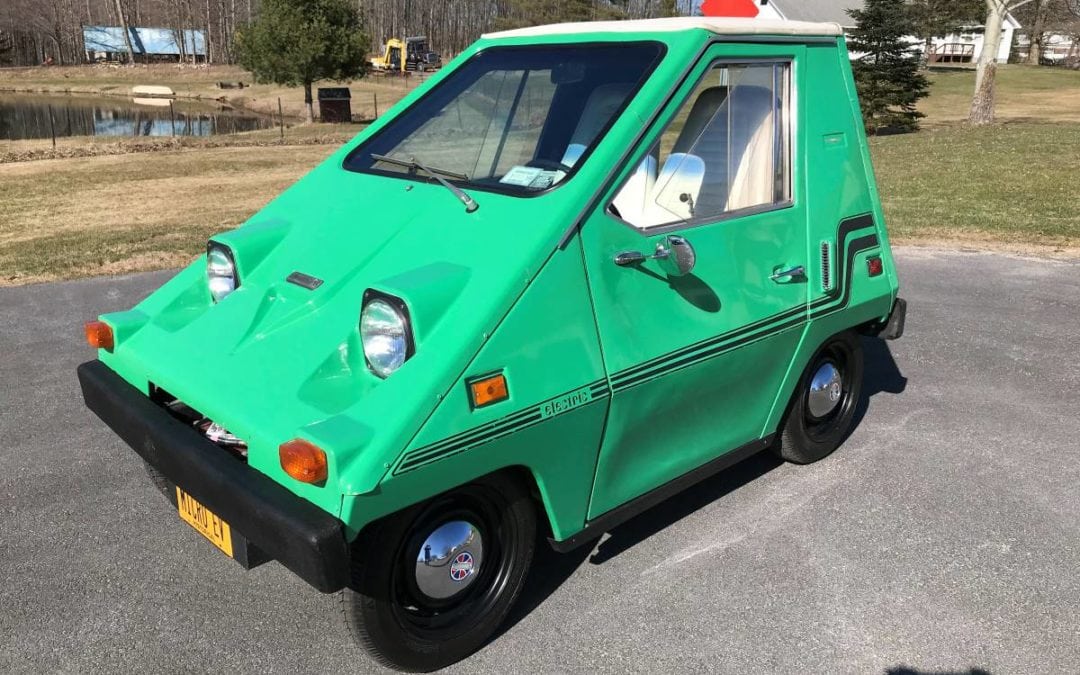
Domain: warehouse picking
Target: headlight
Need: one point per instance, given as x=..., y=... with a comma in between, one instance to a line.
x=385, y=333
x=220, y=271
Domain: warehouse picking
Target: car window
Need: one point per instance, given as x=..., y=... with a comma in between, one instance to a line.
x=513, y=119
x=727, y=149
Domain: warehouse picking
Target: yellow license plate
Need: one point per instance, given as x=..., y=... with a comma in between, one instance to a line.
x=205, y=521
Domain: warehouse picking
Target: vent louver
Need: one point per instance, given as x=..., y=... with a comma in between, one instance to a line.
x=826, y=266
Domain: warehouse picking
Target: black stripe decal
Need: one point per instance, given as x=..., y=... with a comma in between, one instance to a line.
x=714, y=346
x=499, y=428
x=671, y=367
x=676, y=360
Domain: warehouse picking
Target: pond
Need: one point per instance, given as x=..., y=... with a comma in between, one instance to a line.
x=26, y=116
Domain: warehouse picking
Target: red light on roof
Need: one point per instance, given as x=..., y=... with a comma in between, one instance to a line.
x=746, y=9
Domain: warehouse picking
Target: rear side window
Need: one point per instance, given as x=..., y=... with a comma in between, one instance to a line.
x=728, y=149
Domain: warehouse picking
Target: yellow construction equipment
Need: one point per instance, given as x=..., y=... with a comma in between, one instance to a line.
x=416, y=56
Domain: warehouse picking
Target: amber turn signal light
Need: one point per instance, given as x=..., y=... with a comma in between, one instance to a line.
x=488, y=390
x=302, y=460
x=99, y=335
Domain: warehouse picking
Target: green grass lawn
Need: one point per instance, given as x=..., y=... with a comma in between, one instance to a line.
x=1012, y=184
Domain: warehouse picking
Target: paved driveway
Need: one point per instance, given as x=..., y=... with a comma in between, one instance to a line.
x=943, y=536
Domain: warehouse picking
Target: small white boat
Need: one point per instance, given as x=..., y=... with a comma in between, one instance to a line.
x=152, y=91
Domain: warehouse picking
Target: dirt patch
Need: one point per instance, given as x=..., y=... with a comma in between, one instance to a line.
x=982, y=244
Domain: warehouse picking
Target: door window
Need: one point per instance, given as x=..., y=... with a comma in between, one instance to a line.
x=727, y=149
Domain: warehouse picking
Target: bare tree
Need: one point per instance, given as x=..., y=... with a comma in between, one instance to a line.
x=35, y=29
x=121, y=15
x=982, y=103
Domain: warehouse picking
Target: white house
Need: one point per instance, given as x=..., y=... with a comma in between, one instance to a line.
x=962, y=48
x=1056, y=49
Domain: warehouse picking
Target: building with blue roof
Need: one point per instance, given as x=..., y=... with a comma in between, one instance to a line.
x=106, y=43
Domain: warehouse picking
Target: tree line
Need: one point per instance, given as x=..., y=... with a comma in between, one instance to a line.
x=38, y=31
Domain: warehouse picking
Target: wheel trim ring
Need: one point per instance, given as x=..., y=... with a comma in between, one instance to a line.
x=840, y=356
x=455, y=616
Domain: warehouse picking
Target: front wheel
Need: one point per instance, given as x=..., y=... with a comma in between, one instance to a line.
x=432, y=583
x=823, y=407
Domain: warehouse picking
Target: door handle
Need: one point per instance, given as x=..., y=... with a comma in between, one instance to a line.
x=798, y=271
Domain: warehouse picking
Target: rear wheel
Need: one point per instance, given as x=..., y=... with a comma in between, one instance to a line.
x=431, y=584
x=823, y=408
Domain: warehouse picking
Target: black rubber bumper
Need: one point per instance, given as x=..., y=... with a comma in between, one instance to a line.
x=292, y=530
x=894, y=326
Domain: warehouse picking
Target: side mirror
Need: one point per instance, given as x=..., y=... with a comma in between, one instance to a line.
x=676, y=255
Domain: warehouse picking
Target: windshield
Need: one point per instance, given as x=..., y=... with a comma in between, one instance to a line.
x=512, y=119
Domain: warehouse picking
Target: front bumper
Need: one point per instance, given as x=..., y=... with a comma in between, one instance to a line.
x=288, y=528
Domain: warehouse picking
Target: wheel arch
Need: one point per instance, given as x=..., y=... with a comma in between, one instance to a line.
x=532, y=480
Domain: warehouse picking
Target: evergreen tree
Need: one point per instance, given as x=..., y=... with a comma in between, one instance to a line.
x=293, y=43
x=887, y=70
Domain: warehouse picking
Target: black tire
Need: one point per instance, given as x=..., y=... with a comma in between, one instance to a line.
x=806, y=438
x=401, y=627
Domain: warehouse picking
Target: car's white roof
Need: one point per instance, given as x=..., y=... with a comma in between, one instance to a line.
x=717, y=25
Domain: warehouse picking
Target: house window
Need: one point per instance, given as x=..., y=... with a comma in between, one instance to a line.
x=727, y=150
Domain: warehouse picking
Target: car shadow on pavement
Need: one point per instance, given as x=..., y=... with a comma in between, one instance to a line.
x=667, y=513
x=880, y=375
x=551, y=569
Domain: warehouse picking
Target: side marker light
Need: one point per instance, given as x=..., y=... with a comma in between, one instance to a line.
x=488, y=390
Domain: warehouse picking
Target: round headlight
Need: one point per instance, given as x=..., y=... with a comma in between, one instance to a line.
x=384, y=334
x=220, y=272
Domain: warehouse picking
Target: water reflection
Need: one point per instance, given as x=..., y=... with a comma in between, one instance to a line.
x=27, y=116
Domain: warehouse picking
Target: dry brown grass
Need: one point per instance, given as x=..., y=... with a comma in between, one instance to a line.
x=1024, y=94
x=95, y=146
x=101, y=215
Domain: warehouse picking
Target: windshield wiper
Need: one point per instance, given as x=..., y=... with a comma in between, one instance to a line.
x=414, y=164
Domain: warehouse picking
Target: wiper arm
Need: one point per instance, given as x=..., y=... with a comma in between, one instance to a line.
x=414, y=164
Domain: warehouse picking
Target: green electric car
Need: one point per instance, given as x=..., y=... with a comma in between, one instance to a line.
x=579, y=269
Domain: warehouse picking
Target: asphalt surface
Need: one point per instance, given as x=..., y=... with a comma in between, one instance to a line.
x=943, y=536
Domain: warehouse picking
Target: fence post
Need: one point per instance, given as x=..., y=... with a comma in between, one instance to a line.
x=375, y=95
x=172, y=118
x=281, y=117
x=52, y=127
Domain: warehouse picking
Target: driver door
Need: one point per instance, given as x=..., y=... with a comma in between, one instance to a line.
x=695, y=361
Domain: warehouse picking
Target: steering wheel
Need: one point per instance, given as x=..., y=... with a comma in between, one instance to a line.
x=550, y=165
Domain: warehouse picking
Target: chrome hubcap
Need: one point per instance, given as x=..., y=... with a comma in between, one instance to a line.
x=826, y=388
x=449, y=559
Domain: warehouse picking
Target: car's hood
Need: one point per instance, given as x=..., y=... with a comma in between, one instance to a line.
x=276, y=359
